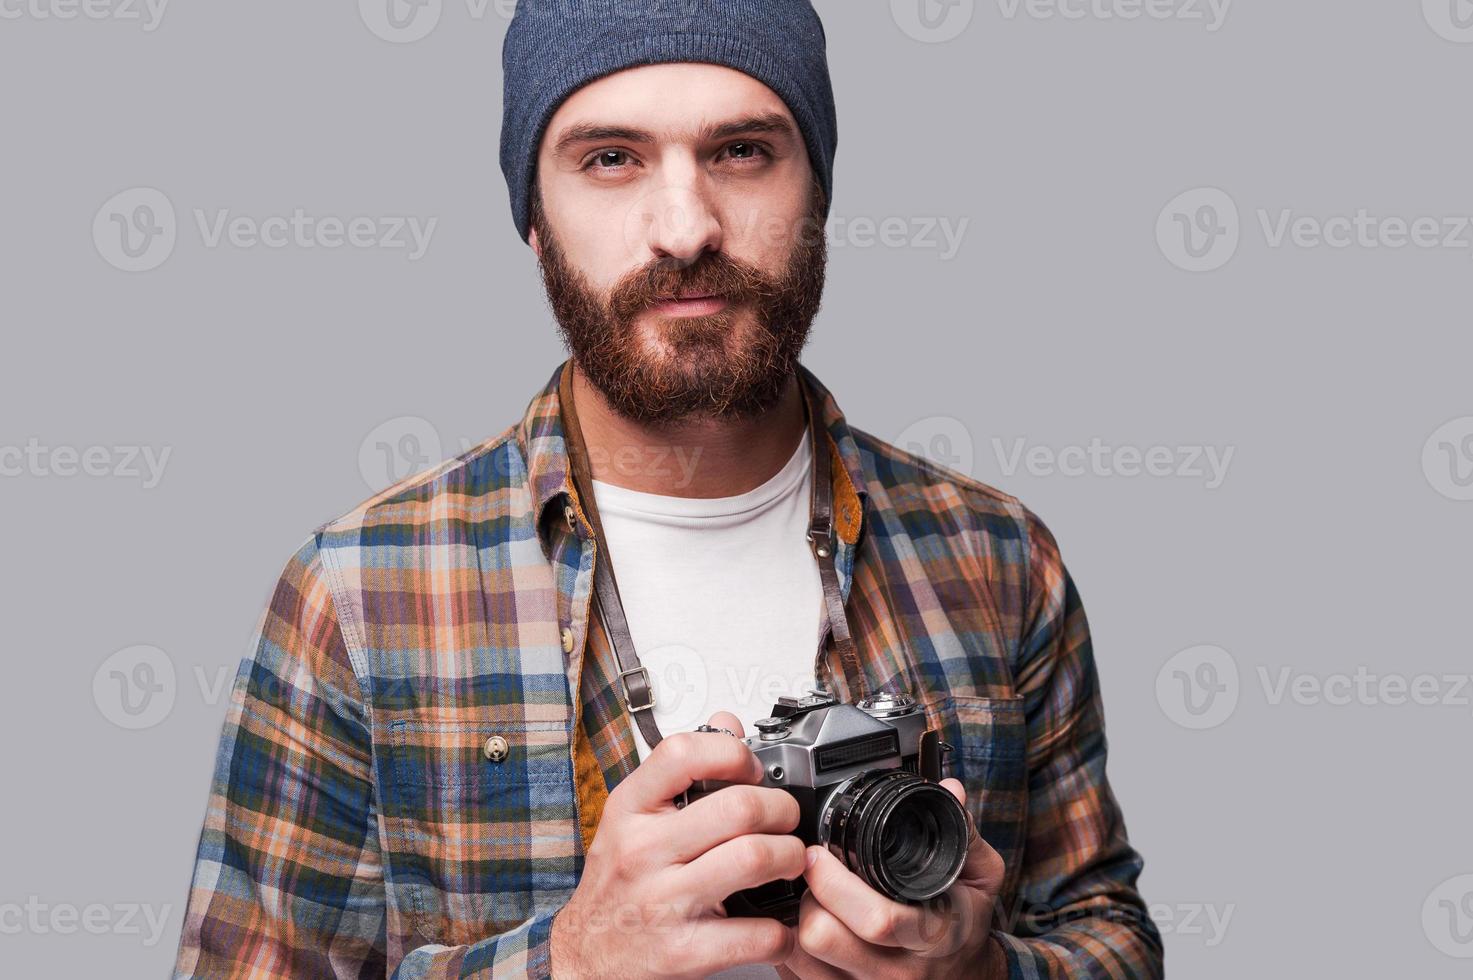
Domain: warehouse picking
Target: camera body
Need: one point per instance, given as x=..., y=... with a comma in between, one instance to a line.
x=866, y=778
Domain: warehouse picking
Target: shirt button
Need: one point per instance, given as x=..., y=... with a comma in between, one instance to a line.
x=496, y=748
x=567, y=640
x=571, y=517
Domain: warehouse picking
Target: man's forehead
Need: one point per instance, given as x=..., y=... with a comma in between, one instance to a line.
x=678, y=102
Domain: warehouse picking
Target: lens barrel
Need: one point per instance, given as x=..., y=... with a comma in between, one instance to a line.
x=904, y=835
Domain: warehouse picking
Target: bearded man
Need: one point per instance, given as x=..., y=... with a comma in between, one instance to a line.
x=458, y=745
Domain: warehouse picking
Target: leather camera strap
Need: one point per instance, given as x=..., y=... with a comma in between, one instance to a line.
x=639, y=696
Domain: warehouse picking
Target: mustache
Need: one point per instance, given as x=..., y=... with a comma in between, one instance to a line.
x=713, y=274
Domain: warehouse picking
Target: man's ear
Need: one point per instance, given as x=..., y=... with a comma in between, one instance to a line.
x=536, y=246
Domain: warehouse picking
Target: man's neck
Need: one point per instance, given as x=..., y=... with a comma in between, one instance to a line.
x=707, y=458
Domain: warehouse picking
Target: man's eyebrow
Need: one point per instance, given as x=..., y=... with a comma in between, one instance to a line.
x=772, y=123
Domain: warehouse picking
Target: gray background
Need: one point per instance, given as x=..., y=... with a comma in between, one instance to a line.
x=1333, y=543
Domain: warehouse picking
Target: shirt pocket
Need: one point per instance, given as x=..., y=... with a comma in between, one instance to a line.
x=989, y=740
x=478, y=845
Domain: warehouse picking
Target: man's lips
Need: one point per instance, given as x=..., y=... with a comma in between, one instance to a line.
x=692, y=304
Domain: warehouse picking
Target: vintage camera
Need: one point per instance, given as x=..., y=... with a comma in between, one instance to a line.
x=866, y=778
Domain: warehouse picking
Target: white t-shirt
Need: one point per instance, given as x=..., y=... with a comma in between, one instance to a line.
x=722, y=594
x=723, y=600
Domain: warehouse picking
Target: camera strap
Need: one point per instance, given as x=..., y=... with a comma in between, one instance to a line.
x=634, y=678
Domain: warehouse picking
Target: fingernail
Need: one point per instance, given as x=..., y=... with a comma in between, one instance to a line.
x=811, y=858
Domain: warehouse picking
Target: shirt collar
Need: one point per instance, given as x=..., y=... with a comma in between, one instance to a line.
x=549, y=477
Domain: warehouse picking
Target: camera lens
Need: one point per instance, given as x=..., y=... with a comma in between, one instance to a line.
x=904, y=835
x=910, y=841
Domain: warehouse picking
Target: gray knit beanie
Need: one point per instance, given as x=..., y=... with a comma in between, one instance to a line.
x=554, y=47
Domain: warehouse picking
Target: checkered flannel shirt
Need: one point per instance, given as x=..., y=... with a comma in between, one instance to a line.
x=356, y=828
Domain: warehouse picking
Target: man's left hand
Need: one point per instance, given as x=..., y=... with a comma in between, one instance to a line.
x=846, y=928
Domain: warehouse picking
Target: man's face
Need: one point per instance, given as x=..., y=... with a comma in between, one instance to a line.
x=679, y=228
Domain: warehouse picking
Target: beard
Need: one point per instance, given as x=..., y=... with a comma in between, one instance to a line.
x=729, y=365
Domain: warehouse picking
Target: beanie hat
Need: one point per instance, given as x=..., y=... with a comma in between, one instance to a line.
x=554, y=47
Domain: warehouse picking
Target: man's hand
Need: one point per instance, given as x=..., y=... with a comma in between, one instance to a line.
x=649, y=900
x=846, y=928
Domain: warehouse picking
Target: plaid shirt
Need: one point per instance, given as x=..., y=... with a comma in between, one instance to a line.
x=355, y=826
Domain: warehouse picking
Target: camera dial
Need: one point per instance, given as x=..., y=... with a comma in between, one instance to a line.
x=772, y=729
x=888, y=705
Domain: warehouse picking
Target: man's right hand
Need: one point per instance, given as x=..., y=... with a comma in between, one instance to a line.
x=649, y=900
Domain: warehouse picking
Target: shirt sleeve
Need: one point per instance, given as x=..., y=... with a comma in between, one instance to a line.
x=1078, y=913
x=288, y=879
x=520, y=952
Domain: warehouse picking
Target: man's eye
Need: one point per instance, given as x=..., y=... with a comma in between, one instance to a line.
x=747, y=151
x=608, y=159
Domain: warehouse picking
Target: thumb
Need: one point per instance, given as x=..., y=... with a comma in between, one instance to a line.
x=729, y=721
x=984, y=868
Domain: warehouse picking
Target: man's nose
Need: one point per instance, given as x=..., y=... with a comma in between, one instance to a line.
x=678, y=223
